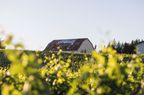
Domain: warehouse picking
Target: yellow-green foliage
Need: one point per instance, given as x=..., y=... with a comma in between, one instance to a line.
x=104, y=73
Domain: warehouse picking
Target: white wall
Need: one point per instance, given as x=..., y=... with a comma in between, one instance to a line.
x=140, y=48
x=86, y=46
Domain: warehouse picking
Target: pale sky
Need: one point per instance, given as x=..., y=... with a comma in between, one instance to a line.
x=37, y=22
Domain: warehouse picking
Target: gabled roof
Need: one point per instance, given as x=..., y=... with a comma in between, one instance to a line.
x=65, y=44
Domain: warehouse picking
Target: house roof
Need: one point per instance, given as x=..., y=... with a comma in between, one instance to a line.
x=65, y=44
x=139, y=43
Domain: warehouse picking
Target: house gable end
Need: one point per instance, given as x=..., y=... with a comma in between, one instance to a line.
x=86, y=46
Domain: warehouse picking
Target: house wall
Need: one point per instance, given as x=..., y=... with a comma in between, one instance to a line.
x=140, y=48
x=86, y=46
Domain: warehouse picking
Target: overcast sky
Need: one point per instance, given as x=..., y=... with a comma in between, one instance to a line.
x=37, y=22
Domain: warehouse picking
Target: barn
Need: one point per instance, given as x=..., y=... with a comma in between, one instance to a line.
x=70, y=45
x=140, y=47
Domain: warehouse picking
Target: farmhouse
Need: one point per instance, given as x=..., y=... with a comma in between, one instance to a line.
x=71, y=45
x=140, y=47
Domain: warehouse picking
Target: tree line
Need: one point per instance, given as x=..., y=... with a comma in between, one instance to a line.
x=125, y=47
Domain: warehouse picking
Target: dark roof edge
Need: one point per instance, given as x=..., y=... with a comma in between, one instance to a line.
x=91, y=44
x=140, y=42
x=70, y=39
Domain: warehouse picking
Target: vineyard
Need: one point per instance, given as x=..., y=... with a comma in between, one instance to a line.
x=58, y=73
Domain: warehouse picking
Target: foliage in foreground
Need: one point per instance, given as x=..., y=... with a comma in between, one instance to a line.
x=102, y=73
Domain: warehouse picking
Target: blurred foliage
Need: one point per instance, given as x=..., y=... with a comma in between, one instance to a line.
x=58, y=73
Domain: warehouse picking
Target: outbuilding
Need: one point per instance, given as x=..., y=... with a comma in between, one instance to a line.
x=71, y=45
x=140, y=48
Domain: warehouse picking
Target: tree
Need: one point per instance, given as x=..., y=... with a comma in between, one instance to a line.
x=128, y=48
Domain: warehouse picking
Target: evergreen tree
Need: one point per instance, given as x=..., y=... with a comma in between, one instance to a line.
x=128, y=48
